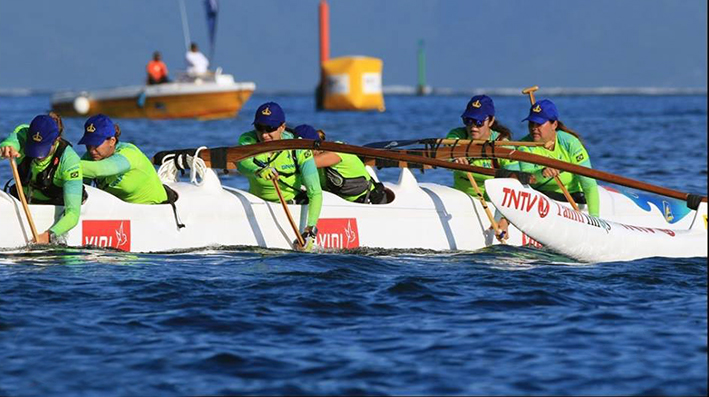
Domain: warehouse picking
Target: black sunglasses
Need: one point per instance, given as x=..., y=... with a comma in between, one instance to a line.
x=470, y=121
x=265, y=128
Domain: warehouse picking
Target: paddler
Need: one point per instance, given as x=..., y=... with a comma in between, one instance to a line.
x=480, y=123
x=290, y=168
x=343, y=174
x=49, y=170
x=560, y=143
x=119, y=168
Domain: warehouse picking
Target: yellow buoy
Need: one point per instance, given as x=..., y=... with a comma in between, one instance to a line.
x=353, y=83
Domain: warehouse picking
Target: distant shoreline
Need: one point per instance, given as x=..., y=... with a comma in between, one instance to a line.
x=411, y=90
x=556, y=91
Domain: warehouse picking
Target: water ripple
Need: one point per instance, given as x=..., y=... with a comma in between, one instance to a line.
x=252, y=321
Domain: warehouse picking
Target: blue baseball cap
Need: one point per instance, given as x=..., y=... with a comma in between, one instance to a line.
x=270, y=114
x=97, y=129
x=542, y=111
x=41, y=136
x=306, y=131
x=479, y=108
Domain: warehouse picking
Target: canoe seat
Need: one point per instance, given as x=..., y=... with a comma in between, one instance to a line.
x=390, y=195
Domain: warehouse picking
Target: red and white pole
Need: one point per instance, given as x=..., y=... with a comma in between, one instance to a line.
x=324, y=11
x=324, y=18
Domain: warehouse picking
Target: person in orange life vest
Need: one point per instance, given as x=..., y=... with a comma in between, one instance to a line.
x=157, y=70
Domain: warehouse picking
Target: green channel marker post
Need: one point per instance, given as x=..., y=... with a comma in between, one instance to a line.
x=421, y=88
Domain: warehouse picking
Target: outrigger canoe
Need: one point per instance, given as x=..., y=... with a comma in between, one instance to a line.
x=418, y=216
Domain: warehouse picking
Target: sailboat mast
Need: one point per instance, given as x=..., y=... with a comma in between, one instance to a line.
x=185, y=26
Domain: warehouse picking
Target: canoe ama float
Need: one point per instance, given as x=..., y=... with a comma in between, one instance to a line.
x=606, y=238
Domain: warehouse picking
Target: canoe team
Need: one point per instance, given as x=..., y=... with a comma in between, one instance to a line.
x=52, y=173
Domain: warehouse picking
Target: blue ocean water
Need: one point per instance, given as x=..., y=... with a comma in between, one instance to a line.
x=498, y=321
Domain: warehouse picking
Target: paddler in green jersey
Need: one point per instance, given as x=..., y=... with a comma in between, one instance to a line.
x=119, y=168
x=343, y=174
x=49, y=170
x=561, y=143
x=290, y=168
x=480, y=123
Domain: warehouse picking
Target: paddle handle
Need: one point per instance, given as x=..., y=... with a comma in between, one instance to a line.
x=21, y=195
x=530, y=92
x=301, y=241
x=494, y=224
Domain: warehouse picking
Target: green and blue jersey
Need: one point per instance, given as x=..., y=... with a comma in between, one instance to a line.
x=569, y=149
x=296, y=168
x=68, y=177
x=460, y=178
x=127, y=174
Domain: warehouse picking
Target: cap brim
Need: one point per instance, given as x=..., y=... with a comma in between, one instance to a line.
x=91, y=140
x=477, y=115
x=40, y=150
x=536, y=119
x=272, y=124
x=314, y=137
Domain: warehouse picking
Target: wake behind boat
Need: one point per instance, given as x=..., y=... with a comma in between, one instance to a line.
x=214, y=95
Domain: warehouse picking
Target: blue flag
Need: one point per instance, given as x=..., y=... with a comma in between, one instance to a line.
x=212, y=7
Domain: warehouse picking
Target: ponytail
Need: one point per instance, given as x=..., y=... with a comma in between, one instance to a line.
x=57, y=119
x=503, y=131
x=118, y=131
x=563, y=127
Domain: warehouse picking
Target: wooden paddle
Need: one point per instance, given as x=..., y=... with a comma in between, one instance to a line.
x=301, y=241
x=494, y=224
x=226, y=158
x=530, y=92
x=21, y=195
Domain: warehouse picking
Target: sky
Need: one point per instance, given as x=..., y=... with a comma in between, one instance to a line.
x=470, y=44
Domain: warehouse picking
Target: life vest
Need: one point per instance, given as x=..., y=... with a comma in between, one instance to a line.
x=281, y=172
x=157, y=70
x=341, y=186
x=44, y=181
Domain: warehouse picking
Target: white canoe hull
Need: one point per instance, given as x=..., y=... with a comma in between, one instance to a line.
x=599, y=239
x=428, y=217
x=422, y=216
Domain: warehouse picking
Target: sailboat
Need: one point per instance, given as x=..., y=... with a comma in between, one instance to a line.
x=212, y=95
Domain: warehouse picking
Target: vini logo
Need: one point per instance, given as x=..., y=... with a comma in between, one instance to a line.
x=114, y=234
x=530, y=242
x=338, y=233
